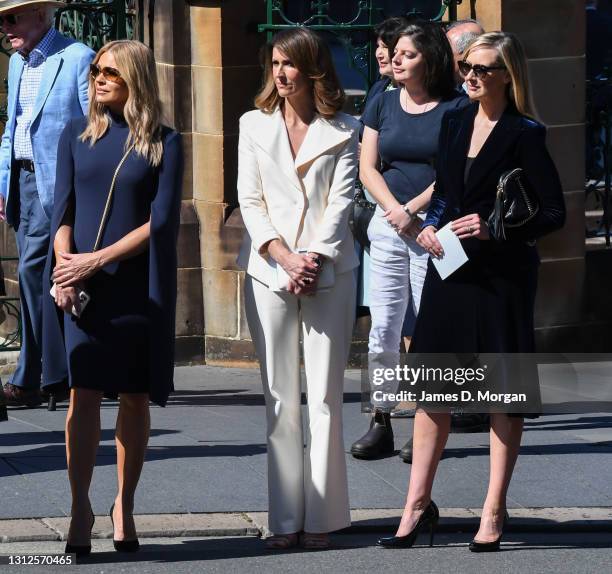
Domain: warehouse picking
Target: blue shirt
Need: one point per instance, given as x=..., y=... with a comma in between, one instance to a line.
x=34, y=65
x=407, y=143
x=378, y=87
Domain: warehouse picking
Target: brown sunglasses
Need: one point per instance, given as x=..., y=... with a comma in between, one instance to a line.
x=110, y=74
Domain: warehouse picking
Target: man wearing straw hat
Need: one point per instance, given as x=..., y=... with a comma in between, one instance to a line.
x=47, y=86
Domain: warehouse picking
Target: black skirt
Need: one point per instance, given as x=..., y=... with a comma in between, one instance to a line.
x=486, y=306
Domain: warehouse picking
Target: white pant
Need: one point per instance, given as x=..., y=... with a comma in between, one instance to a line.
x=397, y=272
x=309, y=492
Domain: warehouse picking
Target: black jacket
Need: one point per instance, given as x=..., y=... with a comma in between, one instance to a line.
x=516, y=141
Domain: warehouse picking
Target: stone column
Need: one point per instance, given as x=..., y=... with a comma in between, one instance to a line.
x=553, y=34
x=225, y=75
x=167, y=32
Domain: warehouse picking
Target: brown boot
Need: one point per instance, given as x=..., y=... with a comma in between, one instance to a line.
x=17, y=397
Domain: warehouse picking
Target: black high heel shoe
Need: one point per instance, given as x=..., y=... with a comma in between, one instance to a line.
x=123, y=545
x=430, y=518
x=81, y=550
x=493, y=546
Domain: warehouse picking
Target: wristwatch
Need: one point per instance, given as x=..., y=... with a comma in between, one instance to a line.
x=407, y=210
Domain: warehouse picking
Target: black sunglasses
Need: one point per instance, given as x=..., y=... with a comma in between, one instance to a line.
x=110, y=74
x=13, y=19
x=479, y=70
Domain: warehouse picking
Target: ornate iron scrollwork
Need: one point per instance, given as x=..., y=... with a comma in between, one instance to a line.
x=9, y=308
x=95, y=22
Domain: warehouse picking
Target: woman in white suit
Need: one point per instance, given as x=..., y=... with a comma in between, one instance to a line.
x=296, y=173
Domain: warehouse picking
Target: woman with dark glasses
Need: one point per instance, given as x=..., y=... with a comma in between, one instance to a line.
x=487, y=305
x=110, y=74
x=112, y=271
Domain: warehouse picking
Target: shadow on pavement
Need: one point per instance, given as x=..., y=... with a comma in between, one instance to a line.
x=50, y=458
x=546, y=424
x=57, y=437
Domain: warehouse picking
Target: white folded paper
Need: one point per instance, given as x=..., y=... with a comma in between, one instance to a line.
x=454, y=254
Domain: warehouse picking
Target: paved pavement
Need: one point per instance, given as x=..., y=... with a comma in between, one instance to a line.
x=205, y=476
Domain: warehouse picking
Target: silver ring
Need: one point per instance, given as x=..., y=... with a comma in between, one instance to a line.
x=470, y=229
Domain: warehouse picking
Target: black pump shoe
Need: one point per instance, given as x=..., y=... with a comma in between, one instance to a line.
x=493, y=546
x=123, y=545
x=81, y=550
x=476, y=546
x=378, y=440
x=430, y=518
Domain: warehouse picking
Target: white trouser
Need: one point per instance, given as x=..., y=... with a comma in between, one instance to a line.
x=397, y=272
x=308, y=492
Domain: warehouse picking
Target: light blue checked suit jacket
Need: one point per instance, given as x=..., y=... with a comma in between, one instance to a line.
x=61, y=97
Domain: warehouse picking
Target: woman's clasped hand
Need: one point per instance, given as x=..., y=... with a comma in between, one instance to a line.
x=427, y=240
x=402, y=222
x=303, y=270
x=73, y=268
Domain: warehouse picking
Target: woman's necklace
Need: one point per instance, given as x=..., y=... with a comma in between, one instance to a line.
x=424, y=107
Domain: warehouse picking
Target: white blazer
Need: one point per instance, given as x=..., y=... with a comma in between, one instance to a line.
x=305, y=202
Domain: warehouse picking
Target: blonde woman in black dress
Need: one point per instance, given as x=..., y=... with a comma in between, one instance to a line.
x=487, y=305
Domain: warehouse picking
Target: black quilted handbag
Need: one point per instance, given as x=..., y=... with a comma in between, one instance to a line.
x=514, y=204
x=360, y=215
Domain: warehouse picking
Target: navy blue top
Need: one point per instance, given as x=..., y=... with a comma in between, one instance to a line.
x=378, y=87
x=407, y=143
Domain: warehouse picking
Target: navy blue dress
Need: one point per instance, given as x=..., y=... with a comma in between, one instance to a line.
x=124, y=340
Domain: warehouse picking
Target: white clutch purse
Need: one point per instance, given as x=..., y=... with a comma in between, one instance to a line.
x=84, y=299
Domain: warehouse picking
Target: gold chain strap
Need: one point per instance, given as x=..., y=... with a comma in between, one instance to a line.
x=110, y=197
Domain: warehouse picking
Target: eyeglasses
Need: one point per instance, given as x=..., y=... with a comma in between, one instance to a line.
x=14, y=19
x=479, y=71
x=110, y=74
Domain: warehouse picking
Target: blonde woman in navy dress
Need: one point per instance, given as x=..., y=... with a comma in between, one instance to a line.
x=122, y=344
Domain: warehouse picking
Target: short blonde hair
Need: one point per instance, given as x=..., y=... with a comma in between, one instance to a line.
x=143, y=108
x=511, y=55
x=311, y=56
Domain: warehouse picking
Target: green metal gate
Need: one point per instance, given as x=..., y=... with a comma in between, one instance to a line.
x=350, y=23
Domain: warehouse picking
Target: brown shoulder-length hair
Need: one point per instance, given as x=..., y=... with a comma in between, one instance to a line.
x=311, y=56
x=143, y=108
x=430, y=40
